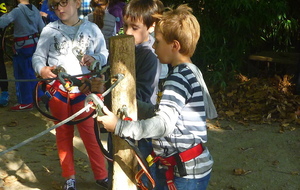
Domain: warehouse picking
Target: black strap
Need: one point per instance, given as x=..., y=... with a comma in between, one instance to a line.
x=180, y=165
x=107, y=153
x=137, y=152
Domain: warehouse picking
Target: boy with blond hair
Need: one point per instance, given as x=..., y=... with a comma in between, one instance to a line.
x=178, y=128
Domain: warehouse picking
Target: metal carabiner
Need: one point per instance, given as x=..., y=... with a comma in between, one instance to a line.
x=62, y=77
x=97, y=104
x=119, y=78
x=97, y=100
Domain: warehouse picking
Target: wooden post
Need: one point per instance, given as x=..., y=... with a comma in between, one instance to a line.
x=122, y=60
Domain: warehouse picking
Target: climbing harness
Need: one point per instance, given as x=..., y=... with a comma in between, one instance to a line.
x=178, y=160
x=66, y=121
x=68, y=82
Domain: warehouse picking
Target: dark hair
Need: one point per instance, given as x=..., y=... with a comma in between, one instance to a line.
x=144, y=10
x=98, y=13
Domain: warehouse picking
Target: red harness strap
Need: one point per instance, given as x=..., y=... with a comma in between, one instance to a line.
x=170, y=162
x=18, y=39
x=54, y=87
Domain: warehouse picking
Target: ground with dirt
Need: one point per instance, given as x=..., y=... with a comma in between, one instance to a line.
x=256, y=157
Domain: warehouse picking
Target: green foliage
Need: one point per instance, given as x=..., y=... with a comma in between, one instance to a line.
x=232, y=30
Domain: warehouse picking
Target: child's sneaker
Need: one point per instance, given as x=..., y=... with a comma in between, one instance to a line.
x=4, y=98
x=103, y=183
x=22, y=107
x=70, y=184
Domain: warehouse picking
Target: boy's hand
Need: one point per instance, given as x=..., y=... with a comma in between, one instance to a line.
x=43, y=14
x=87, y=60
x=98, y=85
x=95, y=85
x=85, y=87
x=109, y=120
x=46, y=72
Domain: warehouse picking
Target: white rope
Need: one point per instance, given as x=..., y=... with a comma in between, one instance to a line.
x=88, y=106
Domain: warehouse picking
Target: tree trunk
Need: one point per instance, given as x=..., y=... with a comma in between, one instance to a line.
x=122, y=60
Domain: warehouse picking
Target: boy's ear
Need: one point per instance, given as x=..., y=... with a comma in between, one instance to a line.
x=78, y=4
x=151, y=28
x=176, y=45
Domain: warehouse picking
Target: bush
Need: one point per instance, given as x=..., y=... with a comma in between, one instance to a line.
x=232, y=30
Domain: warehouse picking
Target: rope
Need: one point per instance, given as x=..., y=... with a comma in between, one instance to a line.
x=47, y=130
x=47, y=79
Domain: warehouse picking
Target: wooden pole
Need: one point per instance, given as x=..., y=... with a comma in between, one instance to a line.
x=122, y=60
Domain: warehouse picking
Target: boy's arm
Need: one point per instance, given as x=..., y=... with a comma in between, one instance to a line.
x=7, y=18
x=164, y=121
x=156, y=127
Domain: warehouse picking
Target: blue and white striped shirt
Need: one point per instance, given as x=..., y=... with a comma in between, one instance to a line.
x=179, y=124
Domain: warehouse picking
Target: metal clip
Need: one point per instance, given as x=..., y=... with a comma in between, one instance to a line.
x=97, y=104
x=95, y=66
x=97, y=100
x=63, y=78
x=119, y=78
x=123, y=111
x=58, y=69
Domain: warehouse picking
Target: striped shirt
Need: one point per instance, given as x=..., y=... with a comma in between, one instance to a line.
x=179, y=124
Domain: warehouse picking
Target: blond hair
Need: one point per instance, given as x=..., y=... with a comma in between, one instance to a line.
x=181, y=25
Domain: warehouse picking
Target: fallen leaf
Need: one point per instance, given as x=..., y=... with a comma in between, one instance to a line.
x=259, y=100
x=10, y=179
x=229, y=113
x=295, y=173
x=275, y=163
x=12, y=124
x=240, y=171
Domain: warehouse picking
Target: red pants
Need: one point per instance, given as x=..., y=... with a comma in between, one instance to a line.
x=65, y=133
